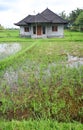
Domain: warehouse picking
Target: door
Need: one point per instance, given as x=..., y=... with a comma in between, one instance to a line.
x=39, y=30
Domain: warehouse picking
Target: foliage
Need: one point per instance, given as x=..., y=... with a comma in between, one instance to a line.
x=74, y=14
x=39, y=125
x=63, y=15
x=54, y=97
x=79, y=21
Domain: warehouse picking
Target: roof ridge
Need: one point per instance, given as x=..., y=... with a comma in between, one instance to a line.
x=44, y=17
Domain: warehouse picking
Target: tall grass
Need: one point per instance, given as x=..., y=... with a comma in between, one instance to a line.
x=37, y=83
x=39, y=125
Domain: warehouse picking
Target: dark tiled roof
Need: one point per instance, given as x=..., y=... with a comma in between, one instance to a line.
x=23, y=21
x=52, y=17
x=47, y=16
x=39, y=18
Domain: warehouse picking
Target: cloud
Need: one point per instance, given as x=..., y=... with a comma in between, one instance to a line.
x=8, y=1
x=12, y=11
x=7, y=4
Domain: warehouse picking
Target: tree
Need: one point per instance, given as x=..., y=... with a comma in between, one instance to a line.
x=63, y=15
x=73, y=15
x=79, y=21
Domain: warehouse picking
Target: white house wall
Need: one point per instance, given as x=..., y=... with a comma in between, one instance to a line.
x=35, y=35
x=49, y=32
x=23, y=33
x=58, y=33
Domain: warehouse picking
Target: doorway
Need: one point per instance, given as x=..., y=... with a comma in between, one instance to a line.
x=38, y=30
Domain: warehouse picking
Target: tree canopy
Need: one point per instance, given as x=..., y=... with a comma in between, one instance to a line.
x=74, y=14
x=75, y=19
x=79, y=21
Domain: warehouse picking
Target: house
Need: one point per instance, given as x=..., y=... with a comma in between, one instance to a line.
x=43, y=25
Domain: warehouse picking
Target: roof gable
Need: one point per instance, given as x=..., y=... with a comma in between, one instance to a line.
x=48, y=14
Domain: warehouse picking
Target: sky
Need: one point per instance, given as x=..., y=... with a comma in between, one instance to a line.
x=12, y=11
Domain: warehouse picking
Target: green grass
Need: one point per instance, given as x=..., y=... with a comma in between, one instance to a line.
x=73, y=36
x=36, y=82
x=10, y=35
x=14, y=36
x=39, y=125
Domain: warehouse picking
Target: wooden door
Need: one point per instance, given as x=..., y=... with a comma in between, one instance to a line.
x=39, y=30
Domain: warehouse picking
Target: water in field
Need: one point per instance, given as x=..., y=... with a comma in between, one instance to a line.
x=31, y=68
x=8, y=49
x=74, y=61
x=11, y=77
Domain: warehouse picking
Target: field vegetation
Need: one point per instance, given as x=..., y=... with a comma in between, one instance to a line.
x=40, y=125
x=38, y=83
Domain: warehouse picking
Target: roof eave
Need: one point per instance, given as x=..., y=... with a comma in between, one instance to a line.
x=16, y=24
x=60, y=22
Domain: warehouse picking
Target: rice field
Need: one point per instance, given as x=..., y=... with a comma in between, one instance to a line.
x=42, y=81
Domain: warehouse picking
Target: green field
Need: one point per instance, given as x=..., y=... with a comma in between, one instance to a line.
x=39, y=83
x=39, y=125
x=14, y=36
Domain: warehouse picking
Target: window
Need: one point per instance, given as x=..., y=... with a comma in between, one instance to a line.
x=54, y=28
x=44, y=31
x=34, y=29
x=26, y=29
